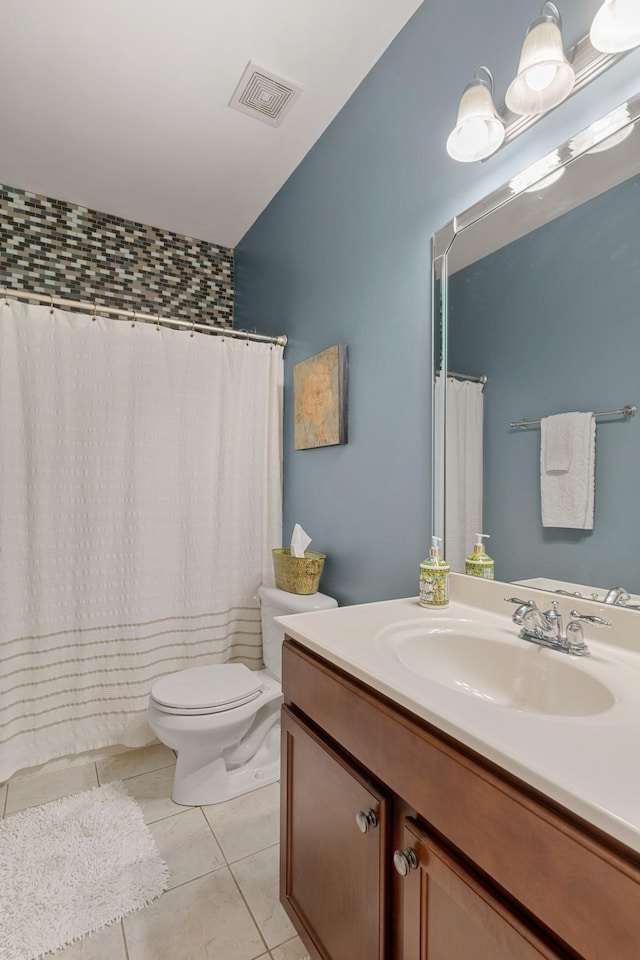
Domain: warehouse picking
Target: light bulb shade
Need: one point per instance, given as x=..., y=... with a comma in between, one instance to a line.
x=478, y=132
x=545, y=77
x=616, y=26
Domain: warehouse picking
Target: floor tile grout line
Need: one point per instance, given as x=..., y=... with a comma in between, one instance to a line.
x=134, y=775
x=223, y=866
x=80, y=766
x=248, y=856
x=275, y=946
x=124, y=940
x=246, y=903
x=213, y=833
x=169, y=816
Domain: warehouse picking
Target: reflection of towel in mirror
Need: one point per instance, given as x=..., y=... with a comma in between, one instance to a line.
x=567, y=470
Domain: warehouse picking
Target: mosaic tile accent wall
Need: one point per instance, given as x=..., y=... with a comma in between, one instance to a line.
x=50, y=246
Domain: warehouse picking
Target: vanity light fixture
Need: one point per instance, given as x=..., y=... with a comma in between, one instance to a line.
x=545, y=76
x=478, y=131
x=616, y=26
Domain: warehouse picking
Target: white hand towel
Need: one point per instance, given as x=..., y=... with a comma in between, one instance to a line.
x=567, y=470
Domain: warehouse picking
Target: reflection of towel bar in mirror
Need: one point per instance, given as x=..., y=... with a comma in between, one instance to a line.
x=468, y=376
x=628, y=411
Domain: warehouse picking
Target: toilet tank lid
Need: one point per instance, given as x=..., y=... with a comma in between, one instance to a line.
x=296, y=602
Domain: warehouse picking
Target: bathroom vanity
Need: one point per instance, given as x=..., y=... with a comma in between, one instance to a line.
x=438, y=807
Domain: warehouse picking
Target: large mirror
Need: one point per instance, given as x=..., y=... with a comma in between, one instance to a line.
x=536, y=305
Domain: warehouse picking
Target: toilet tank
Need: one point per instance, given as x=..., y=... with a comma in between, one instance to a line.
x=278, y=603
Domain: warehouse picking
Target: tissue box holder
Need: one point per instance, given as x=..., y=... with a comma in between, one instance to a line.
x=298, y=574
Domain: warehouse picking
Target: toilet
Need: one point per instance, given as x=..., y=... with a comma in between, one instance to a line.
x=223, y=720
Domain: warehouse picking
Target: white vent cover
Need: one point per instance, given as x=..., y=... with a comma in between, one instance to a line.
x=263, y=95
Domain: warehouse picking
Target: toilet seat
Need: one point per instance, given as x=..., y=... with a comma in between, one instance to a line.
x=199, y=691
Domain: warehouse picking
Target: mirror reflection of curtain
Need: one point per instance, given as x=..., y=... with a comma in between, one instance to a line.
x=465, y=403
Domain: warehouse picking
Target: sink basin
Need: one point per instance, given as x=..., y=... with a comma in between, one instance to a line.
x=518, y=675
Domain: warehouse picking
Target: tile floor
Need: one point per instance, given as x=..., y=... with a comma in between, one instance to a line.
x=222, y=902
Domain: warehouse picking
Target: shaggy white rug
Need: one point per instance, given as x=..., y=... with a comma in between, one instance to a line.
x=72, y=866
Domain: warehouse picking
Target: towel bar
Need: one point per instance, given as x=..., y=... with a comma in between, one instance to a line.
x=627, y=411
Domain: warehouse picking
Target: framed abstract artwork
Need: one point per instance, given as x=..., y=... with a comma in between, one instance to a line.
x=320, y=399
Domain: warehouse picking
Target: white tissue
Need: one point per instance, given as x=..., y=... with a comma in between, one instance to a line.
x=299, y=541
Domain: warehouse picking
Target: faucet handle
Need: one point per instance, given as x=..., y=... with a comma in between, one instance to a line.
x=574, y=641
x=599, y=621
x=519, y=602
x=553, y=613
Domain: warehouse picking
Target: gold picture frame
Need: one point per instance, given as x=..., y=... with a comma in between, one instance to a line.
x=320, y=399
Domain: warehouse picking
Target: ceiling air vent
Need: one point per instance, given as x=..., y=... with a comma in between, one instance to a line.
x=263, y=95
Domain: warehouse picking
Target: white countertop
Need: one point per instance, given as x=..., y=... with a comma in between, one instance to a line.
x=589, y=764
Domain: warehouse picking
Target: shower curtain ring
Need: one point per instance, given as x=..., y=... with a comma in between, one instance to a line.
x=95, y=310
x=193, y=328
x=133, y=322
x=158, y=323
x=51, y=305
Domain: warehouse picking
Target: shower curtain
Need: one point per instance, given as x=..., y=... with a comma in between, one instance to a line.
x=463, y=480
x=140, y=498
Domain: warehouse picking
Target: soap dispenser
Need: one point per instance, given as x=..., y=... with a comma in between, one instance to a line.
x=478, y=564
x=434, y=578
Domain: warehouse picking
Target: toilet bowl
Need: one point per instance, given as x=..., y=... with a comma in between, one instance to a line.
x=223, y=720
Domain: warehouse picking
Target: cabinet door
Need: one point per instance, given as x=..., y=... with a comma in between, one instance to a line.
x=334, y=849
x=448, y=914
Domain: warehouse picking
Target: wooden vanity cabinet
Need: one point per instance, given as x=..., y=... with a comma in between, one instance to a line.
x=449, y=914
x=493, y=869
x=335, y=868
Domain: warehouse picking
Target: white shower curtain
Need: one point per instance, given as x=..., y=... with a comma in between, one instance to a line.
x=140, y=498
x=463, y=481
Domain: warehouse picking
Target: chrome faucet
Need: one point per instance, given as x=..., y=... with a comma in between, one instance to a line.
x=617, y=595
x=545, y=628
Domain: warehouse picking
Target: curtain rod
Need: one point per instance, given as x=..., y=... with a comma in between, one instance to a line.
x=468, y=376
x=95, y=308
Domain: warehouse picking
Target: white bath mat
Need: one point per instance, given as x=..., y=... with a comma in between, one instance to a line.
x=72, y=866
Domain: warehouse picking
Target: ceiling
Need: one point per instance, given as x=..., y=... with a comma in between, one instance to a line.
x=123, y=106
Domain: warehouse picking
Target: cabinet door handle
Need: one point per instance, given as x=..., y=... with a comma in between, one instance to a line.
x=366, y=821
x=404, y=861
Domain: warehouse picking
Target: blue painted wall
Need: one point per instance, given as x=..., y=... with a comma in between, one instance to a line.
x=552, y=320
x=342, y=255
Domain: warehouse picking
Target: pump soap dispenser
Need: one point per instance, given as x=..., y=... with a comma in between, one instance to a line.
x=478, y=564
x=434, y=578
